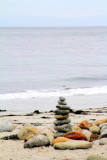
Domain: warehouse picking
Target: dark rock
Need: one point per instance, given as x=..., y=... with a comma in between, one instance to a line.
x=2, y=110
x=80, y=112
x=13, y=137
x=36, y=111
x=61, y=112
x=45, y=117
x=61, y=122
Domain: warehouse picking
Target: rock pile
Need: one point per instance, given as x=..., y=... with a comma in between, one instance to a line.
x=62, y=122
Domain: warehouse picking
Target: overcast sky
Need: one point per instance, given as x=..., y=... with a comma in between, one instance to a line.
x=53, y=13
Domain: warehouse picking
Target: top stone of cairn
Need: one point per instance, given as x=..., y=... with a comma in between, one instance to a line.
x=62, y=98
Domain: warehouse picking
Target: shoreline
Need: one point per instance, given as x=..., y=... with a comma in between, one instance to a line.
x=47, y=104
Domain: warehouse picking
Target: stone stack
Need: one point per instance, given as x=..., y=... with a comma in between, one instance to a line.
x=62, y=118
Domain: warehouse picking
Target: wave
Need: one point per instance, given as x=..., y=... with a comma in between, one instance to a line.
x=87, y=79
x=54, y=93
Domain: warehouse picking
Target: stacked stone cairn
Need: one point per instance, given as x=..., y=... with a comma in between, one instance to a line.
x=62, y=122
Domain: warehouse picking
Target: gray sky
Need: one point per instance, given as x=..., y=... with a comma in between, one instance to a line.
x=53, y=13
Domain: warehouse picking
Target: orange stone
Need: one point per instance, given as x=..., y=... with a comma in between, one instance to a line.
x=75, y=135
x=60, y=139
x=101, y=121
x=84, y=124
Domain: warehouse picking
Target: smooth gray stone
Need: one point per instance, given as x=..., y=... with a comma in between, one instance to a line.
x=61, y=122
x=103, y=128
x=103, y=141
x=62, y=102
x=6, y=127
x=103, y=134
x=63, y=128
x=62, y=98
x=103, y=124
x=61, y=112
x=63, y=107
x=58, y=134
x=37, y=141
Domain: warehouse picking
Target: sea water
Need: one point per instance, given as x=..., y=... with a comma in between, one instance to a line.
x=45, y=63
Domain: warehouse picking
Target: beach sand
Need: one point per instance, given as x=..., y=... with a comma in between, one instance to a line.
x=14, y=149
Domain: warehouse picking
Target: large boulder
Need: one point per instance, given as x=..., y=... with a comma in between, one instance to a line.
x=75, y=135
x=37, y=141
x=74, y=144
x=96, y=157
x=6, y=127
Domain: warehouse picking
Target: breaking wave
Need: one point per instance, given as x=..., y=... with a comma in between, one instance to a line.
x=54, y=93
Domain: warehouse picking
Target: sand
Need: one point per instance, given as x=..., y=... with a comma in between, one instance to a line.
x=14, y=150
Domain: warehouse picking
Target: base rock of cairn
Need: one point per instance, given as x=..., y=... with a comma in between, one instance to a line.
x=62, y=122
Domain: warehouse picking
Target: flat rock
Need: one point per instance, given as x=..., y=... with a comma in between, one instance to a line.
x=63, y=107
x=103, y=134
x=58, y=134
x=59, y=117
x=98, y=122
x=60, y=139
x=61, y=122
x=37, y=141
x=6, y=127
x=63, y=128
x=103, y=124
x=74, y=144
x=61, y=112
x=62, y=102
x=62, y=98
x=75, y=135
x=103, y=141
x=103, y=128
x=96, y=157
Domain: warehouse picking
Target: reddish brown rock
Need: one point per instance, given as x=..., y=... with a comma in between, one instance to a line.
x=94, y=137
x=75, y=135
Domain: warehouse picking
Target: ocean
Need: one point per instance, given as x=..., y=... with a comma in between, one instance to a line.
x=37, y=65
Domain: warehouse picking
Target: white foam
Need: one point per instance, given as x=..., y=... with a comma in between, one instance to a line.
x=54, y=93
